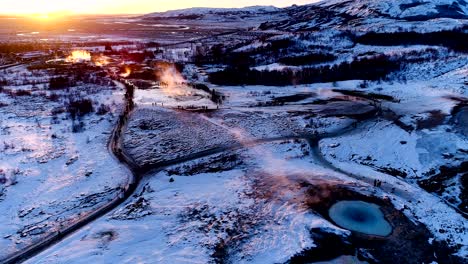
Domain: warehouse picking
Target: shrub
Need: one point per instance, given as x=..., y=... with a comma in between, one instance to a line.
x=103, y=109
x=23, y=93
x=53, y=97
x=80, y=107
x=57, y=110
x=455, y=39
x=374, y=68
x=312, y=58
x=57, y=83
x=77, y=127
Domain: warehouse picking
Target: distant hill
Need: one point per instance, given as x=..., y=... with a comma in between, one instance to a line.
x=202, y=11
x=391, y=15
x=378, y=15
x=402, y=9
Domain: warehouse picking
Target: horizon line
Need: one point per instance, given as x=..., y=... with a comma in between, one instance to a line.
x=72, y=13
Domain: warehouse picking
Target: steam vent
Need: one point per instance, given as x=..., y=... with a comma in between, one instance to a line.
x=360, y=217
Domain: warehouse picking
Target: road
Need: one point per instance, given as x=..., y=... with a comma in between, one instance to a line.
x=4, y=67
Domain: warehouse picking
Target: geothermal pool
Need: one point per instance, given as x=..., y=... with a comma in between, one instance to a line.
x=361, y=217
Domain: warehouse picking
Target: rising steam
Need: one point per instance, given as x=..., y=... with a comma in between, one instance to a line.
x=101, y=60
x=79, y=56
x=172, y=81
x=126, y=73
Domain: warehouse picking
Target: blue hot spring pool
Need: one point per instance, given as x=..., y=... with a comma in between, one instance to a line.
x=361, y=217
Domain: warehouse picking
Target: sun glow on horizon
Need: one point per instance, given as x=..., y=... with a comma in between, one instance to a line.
x=49, y=16
x=44, y=8
x=42, y=16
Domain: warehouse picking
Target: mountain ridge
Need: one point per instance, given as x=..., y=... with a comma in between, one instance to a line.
x=201, y=11
x=386, y=15
x=402, y=9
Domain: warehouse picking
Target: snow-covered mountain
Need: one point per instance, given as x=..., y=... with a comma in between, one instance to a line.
x=400, y=9
x=403, y=9
x=357, y=15
x=388, y=15
x=203, y=11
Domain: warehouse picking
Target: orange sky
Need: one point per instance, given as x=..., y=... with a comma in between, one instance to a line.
x=125, y=6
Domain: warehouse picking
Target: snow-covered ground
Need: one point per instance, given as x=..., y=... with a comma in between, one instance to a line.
x=50, y=175
x=249, y=180
x=246, y=206
x=251, y=205
x=176, y=97
x=181, y=216
x=160, y=135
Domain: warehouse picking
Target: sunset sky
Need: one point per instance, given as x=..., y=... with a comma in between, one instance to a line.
x=126, y=6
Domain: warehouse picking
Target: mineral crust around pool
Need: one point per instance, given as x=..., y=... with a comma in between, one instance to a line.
x=361, y=217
